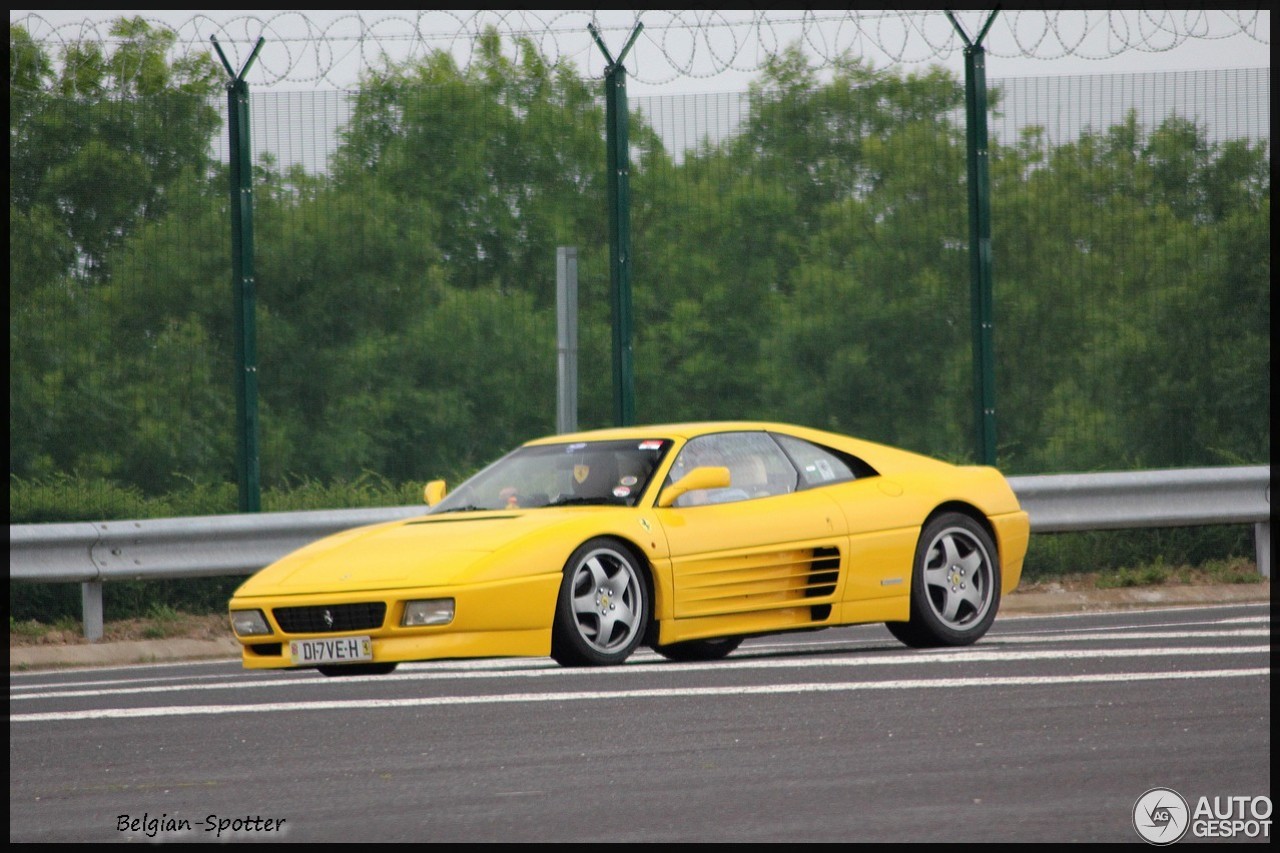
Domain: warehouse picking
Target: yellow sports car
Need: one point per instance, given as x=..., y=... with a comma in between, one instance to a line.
x=684, y=537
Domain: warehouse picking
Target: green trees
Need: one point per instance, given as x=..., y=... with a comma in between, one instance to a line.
x=102, y=146
x=411, y=299
x=811, y=267
x=80, y=159
x=1134, y=323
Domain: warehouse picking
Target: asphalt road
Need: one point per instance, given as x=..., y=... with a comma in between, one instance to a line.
x=1050, y=729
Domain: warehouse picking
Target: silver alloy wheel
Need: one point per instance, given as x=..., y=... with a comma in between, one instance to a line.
x=959, y=578
x=607, y=600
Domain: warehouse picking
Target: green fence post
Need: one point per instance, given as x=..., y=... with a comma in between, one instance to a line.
x=618, y=166
x=242, y=283
x=978, y=158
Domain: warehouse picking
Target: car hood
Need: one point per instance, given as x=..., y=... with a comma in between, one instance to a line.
x=423, y=551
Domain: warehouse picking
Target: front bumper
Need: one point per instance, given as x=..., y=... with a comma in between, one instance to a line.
x=506, y=619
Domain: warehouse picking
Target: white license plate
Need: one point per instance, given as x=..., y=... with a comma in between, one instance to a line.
x=337, y=650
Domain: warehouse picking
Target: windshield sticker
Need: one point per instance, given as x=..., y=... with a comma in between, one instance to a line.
x=628, y=480
x=575, y=447
x=580, y=473
x=651, y=445
x=621, y=491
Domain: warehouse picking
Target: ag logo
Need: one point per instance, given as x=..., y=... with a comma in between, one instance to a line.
x=1161, y=816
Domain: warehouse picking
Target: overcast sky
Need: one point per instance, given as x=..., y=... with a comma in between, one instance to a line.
x=720, y=39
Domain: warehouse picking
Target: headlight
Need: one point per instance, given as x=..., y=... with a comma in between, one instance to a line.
x=249, y=623
x=430, y=611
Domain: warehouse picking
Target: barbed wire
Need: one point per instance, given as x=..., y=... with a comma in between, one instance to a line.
x=315, y=49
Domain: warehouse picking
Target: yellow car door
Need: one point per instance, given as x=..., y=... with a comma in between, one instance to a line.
x=756, y=554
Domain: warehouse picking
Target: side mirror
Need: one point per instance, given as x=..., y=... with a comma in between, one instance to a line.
x=706, y=477
x=433, y=493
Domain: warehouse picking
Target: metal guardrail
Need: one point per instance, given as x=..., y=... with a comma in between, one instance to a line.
x=90, y=553
x=1186, y=497
x=192, y=547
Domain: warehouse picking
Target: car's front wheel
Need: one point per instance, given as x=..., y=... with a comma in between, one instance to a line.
x=955, y=584
x=603, y=606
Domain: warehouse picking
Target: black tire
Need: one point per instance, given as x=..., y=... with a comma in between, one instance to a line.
x=603, y=608
x=344, y=669
x=955, y=585
x=699, y=650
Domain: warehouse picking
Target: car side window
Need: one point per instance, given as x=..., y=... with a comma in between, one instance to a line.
x=757, y=467
x=820, y=466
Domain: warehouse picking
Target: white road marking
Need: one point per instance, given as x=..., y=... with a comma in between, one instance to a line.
x=656, y=693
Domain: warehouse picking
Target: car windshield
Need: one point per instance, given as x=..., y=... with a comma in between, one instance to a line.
x=580, y=473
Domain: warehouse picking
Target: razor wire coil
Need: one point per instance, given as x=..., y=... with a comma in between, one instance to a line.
x=309, y=48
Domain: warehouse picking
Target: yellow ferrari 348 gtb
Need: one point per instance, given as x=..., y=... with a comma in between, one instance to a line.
x=685, y=537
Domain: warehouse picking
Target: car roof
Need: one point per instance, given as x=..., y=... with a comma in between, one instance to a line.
x=882, y=457
x=671, y=430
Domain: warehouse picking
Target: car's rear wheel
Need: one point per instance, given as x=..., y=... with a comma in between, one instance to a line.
x=699, y=650
x=357, y=669
x=603, y=605
x=955, y=584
